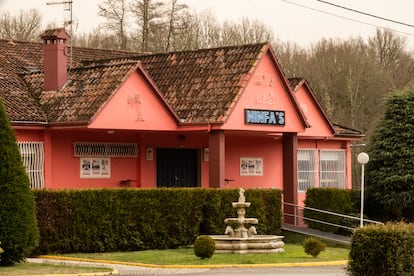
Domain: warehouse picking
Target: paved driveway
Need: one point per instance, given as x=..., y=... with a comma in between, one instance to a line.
x=121, y=269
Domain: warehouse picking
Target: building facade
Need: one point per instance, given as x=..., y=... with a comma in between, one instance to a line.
x=215, y=118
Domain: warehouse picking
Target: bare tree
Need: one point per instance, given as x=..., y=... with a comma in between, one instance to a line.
x=291, y=57
x=24, y=26
x=208, y=31
x=188, y=36
x=95, y=39
x=149, y=15
x=386, y=46
x=176, y=21
x=254, y=31
x=389, y=50
x=115, y=12
x=245, y=32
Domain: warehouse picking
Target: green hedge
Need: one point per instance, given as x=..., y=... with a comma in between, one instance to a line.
x=101, y=220
x=334, y=200
x=382, y=250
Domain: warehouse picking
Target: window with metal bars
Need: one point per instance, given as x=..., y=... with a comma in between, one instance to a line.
x=32, y=154
x=332, y=168
x=307, y=170
x=91, y=149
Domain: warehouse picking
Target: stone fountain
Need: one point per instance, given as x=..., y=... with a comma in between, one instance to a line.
x=241, y=239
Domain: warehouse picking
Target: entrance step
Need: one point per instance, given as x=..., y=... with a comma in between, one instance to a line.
x=317, y=233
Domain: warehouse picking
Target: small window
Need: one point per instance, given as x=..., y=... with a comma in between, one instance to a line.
x=307, y=171
x=332, y=166
x=32, y=154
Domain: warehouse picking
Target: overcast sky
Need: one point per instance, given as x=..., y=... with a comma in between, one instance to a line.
x=300, y=21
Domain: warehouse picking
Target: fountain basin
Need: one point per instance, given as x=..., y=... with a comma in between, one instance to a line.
x=241, y=220
x=255, y=244
x=240, y=204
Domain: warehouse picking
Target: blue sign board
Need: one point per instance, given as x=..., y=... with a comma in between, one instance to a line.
x=264, y=117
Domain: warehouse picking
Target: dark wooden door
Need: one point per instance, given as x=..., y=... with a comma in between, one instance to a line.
x=177, y=168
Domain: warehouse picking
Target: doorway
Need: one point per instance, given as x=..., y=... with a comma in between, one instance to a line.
x=177, y=168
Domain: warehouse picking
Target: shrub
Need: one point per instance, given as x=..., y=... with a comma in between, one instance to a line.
x=18, y=231
x=313, y=246
x=382, y=250
x=204, y=247
x=103, y=220
x=1, y=251
x=334, y=200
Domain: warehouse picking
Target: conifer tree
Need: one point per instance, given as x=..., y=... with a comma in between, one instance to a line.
x=18, y=228
x=390, y=170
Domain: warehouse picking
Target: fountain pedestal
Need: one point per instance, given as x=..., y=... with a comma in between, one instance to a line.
x=241, y=239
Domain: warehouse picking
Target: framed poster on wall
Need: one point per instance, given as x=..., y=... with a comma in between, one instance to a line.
x=95, y=167
x=251, y=166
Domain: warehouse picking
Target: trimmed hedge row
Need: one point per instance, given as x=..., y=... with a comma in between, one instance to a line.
x=335, y=200
x=382, y=250
x=101, y=220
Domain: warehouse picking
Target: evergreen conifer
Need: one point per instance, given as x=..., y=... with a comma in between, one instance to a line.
x=18, y=227
x=390, y=170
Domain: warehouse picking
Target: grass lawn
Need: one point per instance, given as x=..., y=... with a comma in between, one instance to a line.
x=46, y=269
x=294, y=253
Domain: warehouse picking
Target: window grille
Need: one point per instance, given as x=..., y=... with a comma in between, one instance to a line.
x=332, y=164
x=90, y=149
x=32, y=154
x=307, y=171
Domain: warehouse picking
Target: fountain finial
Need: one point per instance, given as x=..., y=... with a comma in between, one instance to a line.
x=242, y=198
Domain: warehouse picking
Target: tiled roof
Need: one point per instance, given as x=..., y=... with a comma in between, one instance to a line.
x=83, y=95
x=346, y=131
x=202, y=85
x=22, y=58
x=17, y=58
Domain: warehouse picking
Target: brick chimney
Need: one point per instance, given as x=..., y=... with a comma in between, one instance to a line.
x=55, y=58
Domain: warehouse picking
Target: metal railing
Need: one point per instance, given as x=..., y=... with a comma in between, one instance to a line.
x=296, y=216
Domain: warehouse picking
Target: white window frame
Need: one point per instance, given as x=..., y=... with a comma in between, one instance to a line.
x=307, y=169
x=33, y=158
x=332, y=175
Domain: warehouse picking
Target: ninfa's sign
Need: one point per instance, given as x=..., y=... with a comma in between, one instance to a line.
x=264, y=117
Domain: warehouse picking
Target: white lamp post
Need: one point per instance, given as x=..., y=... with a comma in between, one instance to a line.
x=362, y=158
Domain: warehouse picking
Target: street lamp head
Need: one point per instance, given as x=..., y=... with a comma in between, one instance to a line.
x=363, y=158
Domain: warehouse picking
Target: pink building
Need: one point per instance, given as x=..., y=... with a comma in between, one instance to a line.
x=220, y=118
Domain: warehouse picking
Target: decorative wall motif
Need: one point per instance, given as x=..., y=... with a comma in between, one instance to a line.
x=134, y=101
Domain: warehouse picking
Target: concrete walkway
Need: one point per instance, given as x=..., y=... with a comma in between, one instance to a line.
x=317, y=233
